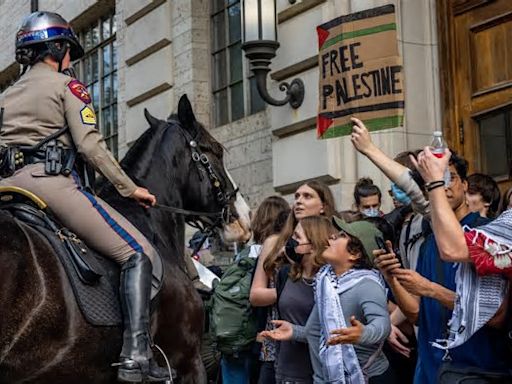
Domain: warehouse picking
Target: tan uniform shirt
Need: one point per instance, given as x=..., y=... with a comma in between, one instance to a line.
x=43, y=101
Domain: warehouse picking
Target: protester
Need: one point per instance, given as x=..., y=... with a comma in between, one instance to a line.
x=268, y=220
x=349, y=322
x=429, y=295
x=483, y=195
x=415, y=229
x=413, y=233
x=368, y=198
x=495, y=238
x=400, y=347
x=294, y=286
x=310, y=199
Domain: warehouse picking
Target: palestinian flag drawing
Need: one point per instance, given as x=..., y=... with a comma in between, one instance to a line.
x=361, y=72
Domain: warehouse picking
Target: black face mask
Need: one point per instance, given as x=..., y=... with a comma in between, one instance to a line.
x=289, y=250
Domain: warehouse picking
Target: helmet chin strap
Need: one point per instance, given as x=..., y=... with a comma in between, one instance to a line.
x=57, y=52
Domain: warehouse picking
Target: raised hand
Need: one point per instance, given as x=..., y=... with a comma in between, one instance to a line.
x=360, y=136
x=430, y=167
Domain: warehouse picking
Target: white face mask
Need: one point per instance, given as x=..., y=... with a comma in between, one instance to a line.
x=371, y=212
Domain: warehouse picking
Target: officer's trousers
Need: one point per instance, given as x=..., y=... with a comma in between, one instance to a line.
x=99, y=225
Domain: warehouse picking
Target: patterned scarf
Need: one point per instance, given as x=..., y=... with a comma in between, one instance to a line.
x=478, y=298
x=340, y=362
x=496, y=239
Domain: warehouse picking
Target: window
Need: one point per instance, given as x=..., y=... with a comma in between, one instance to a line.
x=234, y=94
x=98, y=71
x=496, y=143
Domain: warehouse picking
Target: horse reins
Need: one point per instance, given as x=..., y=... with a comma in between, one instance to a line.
x=223, y=198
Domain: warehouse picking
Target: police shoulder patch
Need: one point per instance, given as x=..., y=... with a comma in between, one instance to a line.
x=88, y=116
x=79, y=90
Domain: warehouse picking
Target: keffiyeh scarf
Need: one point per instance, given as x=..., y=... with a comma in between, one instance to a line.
x=340, y=362
x=478, y=298
x=494, y=239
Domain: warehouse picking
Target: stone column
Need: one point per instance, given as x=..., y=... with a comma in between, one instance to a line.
x=190, y=34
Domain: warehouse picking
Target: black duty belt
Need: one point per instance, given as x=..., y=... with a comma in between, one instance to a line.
x=32, y=158
x=57, y=160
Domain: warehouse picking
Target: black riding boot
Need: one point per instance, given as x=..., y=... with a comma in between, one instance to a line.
x=136, y=364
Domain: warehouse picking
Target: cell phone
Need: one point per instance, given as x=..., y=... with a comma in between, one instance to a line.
x=381, y=244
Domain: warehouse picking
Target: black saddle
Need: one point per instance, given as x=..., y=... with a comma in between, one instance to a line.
x=93, y=278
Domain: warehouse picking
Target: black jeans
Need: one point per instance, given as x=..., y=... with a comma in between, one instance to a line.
x=388, y=377
x=267, y=373
x=453, y=374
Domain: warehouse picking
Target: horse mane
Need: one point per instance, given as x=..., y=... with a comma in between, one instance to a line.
x=141, y=151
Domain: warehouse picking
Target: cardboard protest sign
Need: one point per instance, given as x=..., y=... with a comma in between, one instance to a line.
x=360, y=72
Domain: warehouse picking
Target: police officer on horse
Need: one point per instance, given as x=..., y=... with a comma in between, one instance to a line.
x=48, y=120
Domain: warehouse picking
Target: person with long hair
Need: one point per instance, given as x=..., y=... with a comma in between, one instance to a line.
x=267, y=221
x=311, y=198
x=349, y=321
x=294, y=284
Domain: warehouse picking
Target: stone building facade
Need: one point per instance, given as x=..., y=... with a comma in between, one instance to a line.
x=164, y=48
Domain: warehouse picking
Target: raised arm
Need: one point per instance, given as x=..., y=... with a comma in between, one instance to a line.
x=396, y=172
x=448, y=233
x=261, y=295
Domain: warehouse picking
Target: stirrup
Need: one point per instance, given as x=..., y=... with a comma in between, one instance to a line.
x=132, y=372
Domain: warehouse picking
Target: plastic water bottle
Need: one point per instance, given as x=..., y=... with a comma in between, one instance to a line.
x=437, y=148
x=438, y=144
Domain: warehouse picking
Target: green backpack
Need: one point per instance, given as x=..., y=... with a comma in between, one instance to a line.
x=232, y=320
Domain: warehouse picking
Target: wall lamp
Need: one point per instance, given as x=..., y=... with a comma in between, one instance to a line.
x=260, y=46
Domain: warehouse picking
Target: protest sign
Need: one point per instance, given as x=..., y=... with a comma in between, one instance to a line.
x=360, y=72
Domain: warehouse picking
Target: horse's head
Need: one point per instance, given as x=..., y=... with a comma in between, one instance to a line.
x=206, y=184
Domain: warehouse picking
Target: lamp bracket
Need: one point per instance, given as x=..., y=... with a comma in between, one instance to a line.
x=260, y=54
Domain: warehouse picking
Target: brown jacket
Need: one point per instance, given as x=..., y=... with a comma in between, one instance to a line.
x=43, y=101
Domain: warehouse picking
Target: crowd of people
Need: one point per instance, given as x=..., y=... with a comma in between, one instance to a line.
x=416, y=295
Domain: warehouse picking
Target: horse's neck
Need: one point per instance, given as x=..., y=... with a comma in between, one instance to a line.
x=163, y=177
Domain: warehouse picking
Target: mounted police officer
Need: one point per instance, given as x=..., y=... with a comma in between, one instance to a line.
x=47, y=116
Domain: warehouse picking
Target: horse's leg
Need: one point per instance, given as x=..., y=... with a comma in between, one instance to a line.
x=196, y=374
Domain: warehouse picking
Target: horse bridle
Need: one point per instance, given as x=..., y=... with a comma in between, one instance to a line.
x=223, y=198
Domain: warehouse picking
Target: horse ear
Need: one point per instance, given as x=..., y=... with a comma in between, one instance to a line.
x=152, y=120
x=185, y=114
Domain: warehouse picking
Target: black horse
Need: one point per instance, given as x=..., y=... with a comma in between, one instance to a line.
x=43, y=335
